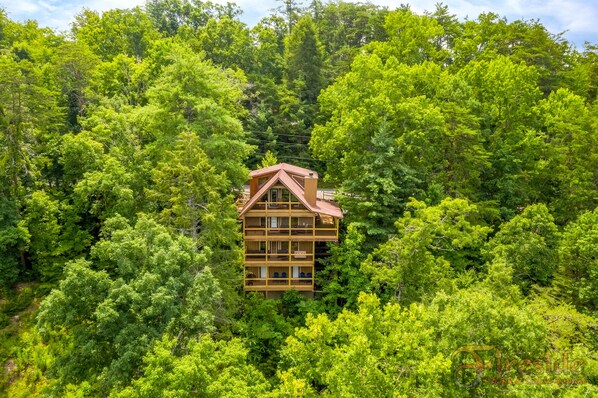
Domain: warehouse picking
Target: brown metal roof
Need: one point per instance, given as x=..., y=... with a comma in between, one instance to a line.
x=322, y=206
x=289, y=168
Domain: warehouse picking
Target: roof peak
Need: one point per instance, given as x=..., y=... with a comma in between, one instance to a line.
x=281, y=175
x=289, y=168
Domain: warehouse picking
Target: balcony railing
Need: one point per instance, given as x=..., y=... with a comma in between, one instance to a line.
x=279, y=282
x=297, y=255
x=278, y=206
x=299, y=231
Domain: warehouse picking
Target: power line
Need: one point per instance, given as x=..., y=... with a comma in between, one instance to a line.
x=288, y=135
x=293, y=157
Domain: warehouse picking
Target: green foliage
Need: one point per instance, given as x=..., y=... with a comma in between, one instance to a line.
x=411, y=38
x=114, y=308
x=205, y=369
x=18, y=301
x=43, y=224
x=264, y=329
x=192, y=95
x=345, y=27
x=268, y=160
x=342, y=279
x=303, y=61
x=168, y=16
x=227, y=43
x=432, y=246
x=361, y=354
x=568, y=169
x=124, y=145
x=114, y=32
x=579, y=259
x=528, y=243
x=13, y=236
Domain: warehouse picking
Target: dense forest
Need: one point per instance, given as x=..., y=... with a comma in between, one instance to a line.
x=463, y=153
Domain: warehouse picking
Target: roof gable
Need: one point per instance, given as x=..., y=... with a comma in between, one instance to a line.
x=281, y=176
x=278, y=177
x=289, y=168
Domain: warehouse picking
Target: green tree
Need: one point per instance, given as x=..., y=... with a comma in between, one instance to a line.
x=205, y=368
x=268, y=160
x=291, y=11
x=140, y=283
x=380, y=138
x=75, y=65
x=433, y=245
x=528, y=243
x=227, y=43
x=45, y=249
x=168, y=16
x=114, y=32
x=411, y=38
x=192, y=95
x=264, y=330
x=342, y=279
x=193, y=199
x=344, y=28
x=304, y=56
x=13, y=239
x=361, y=353
x=566, y=176
x=578, y=253
x=490, y=36
x=505, y=93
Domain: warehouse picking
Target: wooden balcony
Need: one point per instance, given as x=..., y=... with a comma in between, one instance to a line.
x=278, y=209
x=278, y=206
x=274, y=284
x=279, y=278
x=307, y=232
x=297, y=256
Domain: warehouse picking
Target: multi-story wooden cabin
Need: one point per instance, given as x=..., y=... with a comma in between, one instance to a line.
x=283, y=219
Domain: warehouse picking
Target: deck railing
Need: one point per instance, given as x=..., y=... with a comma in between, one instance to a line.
x=278, y=206
x=279, y=282
x=295, y=256
x=298, y=231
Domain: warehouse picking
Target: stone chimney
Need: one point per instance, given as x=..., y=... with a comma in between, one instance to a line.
x=311, y=189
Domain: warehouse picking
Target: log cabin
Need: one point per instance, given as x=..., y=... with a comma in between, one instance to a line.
x=283, y=219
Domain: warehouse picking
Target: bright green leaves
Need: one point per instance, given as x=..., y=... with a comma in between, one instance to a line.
x=206, y=369
x=362, y=353
x=579, y=257
x=148, y=282
x=227, y=43
x=397, y=133
x=114, y=32
x=26, y=107
x=185, y=183
x=13, y=238
x=411, y=38
x=569, y=170
x=47, y=247
x=528, y=243
x=432, y=246
x=193, y=199
x=342, y=279
x=192, y=95
x=106, y=192
x=304, y=60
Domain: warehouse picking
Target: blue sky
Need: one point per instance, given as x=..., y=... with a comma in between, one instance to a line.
x=578, y=17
